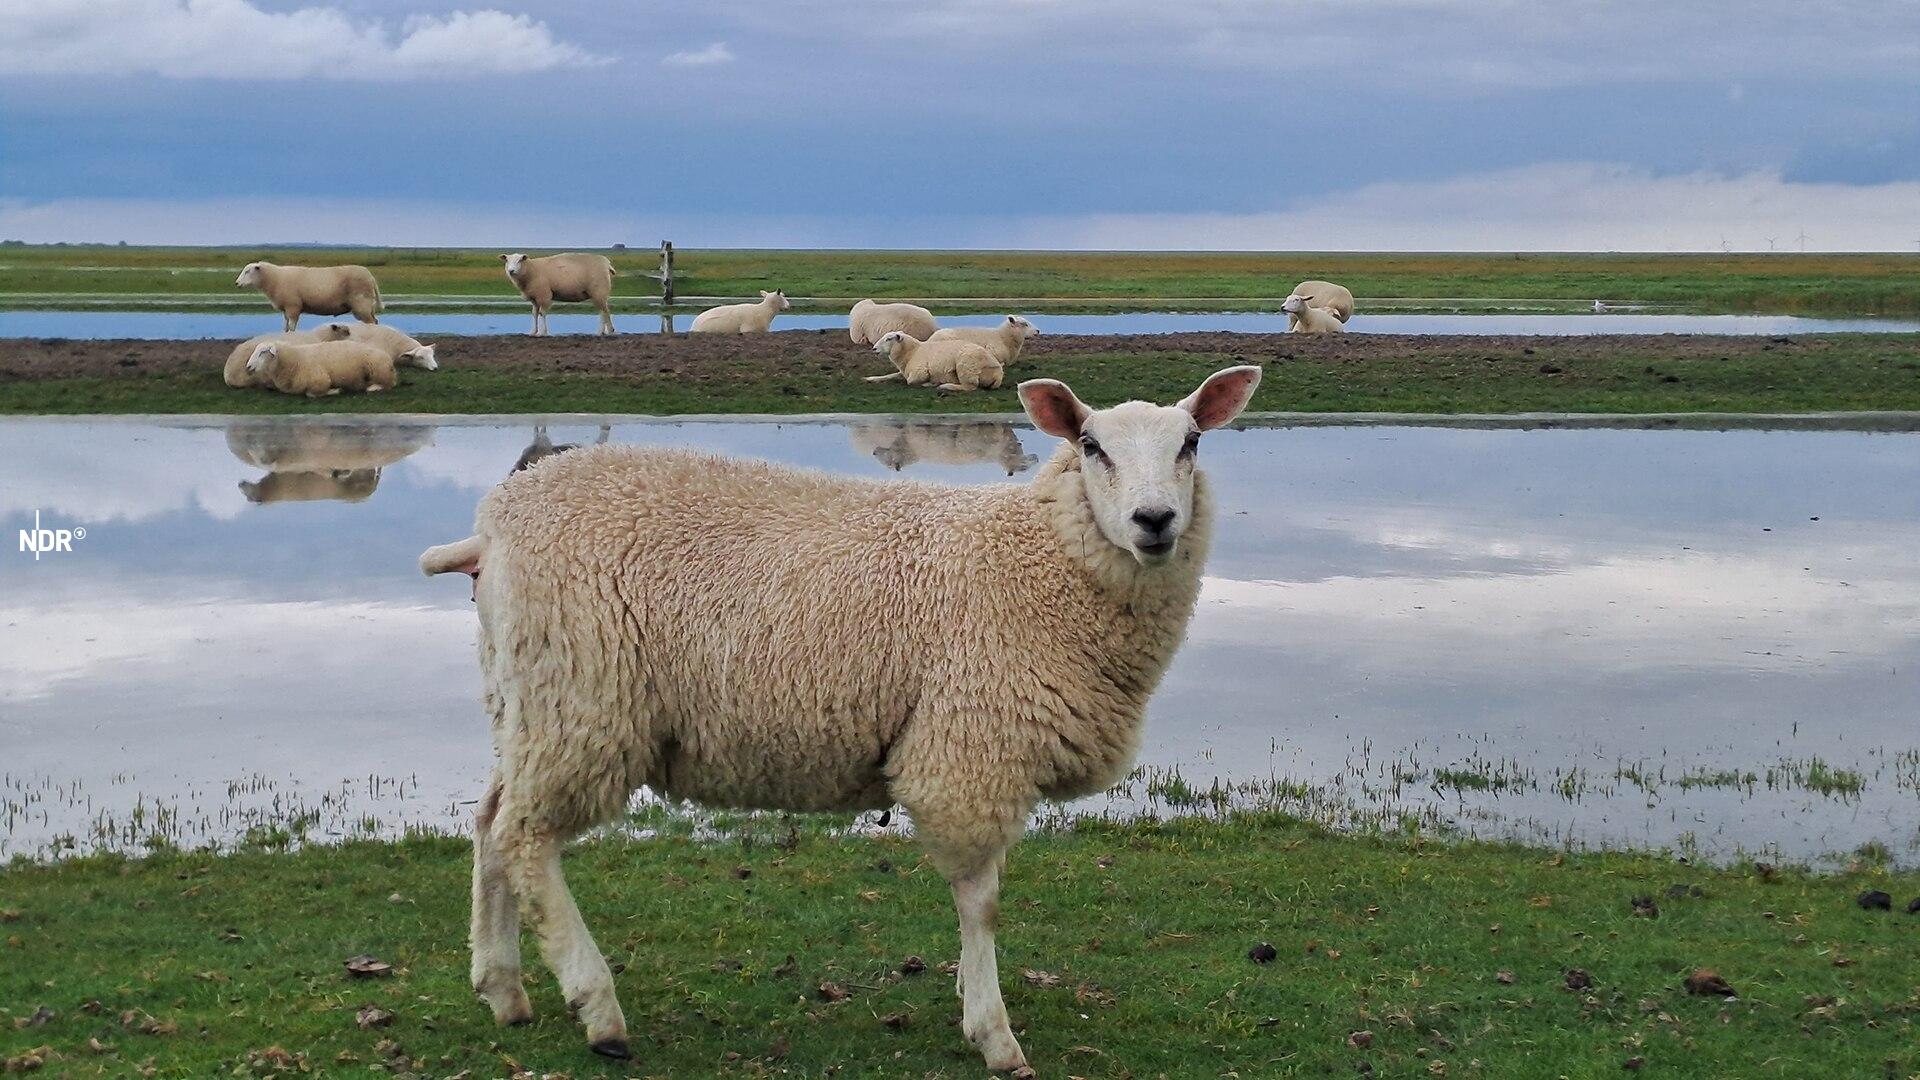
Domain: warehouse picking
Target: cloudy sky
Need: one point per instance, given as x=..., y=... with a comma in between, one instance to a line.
x=1384, y=124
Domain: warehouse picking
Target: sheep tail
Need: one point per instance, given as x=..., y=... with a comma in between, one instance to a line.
x=461, y=556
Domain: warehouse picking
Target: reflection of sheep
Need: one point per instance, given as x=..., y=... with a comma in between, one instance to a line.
x=236, y=372
x=292, y=444
x=569, y=278
x=1307, y=319
x=868, y=322
x=403, y=347
x=344, y=485
x=900, y=444
x=743, y=634
x=1325, y=295
x=741, y=318
x=1004, y=341
x=320, y=290
x=949, y=365
x=542, y=447
x=325, y=367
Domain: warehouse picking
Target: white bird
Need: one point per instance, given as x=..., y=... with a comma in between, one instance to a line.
x=1599, y=308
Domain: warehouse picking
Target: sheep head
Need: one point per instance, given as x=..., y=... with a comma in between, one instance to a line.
x=777, y=297
x=421, y=357
x=334, y=331
x=249, y=276
x=890, y=340
x=1293, y=304
x=1025, y=328
x=264, y=354
x=1137, y=460
x=514, y=262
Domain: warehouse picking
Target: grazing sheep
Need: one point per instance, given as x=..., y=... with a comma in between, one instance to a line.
x=741, y=318
x=320, y=290
x=1326, y=295
x=949, y=365
x=1304, y=318
x=339, y=485
x=751, y=635
x=868, y=321
x=323, y=368
x=402, y=347
x=898, y=445
x=1005, y=341
x=236, y=372
x=569, y=278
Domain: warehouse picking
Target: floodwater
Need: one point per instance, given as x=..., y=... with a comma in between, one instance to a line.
x=1704, y=639
x=223, y=325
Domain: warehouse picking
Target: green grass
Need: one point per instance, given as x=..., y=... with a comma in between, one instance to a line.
x=198, y=965
x=1863, y=372
x=1784, y=282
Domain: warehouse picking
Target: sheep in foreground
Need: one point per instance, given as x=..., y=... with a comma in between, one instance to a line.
x=949, y=365
x=741, y=318
x=1304, y=318
x=323, y=368
x=869, y=322
x=569, y=278
x=319, y=290
x=1325, y=295
x=1005, y=341
x=751, y=635
x=402, y=347
x=236, y=373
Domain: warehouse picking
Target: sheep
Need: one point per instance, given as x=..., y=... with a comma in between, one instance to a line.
x=1304, y=318
x=543, y=447
x=949, y=365
x=402, y=347
x=1323, y=294
x=321, y=290
x=236, y=373
x=869, y=321
x=741, y=318
x=1005, y=341
x=569, y=277
x=323, y=368
x=744, y=634
x=340, y=485
x=278, y=444
x=898, y=445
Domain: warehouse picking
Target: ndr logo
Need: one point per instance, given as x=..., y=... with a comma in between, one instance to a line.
x=45, y=541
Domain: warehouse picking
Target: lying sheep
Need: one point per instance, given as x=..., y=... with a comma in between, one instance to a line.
x=319, y=290
x=236, y=373
x=569, y=278
x=949, y=365
x=323, y=368
x=293, y=444
x=1325, y=295
x=337, y=485
x=741, y=318
x=402, y=347
x=743, y=634
x=868, y=322
x=1005, y=341
x=1304, y=318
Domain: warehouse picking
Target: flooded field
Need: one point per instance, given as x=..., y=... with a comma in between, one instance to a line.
x=179, y=325
x=1704, y=639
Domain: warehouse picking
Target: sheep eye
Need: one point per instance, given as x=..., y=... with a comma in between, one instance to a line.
x=1192, y=445
x=1091, y=446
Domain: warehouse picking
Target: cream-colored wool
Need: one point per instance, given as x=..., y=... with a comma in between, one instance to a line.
x=323, y=368
x=950, y=365
x=1304, y=318
x=315, y=290
x=236, y=373
x=868, y=322
x=745, y=634
x=898, y=445
x=1005, y=341
x=402, y=347
x=1326, y=295
x=570, y=277
x=741, y=318
x=339, y=485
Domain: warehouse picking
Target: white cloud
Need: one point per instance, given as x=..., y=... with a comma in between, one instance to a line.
x=716, y=53
x=234, y=39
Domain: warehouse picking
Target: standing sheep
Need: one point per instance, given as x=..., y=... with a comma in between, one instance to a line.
x=949, y=365
x=868, y=322
x=1325, y=295
x=616, y=651
x=323, y=368
x=402, y=347
x=1005, y=341
x=741, y=318
x=236, y=373
x=321, y=290
x=1304, y=318
x=569, y=278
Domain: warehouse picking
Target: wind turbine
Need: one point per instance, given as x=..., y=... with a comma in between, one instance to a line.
x=1803, y=240
x=1769, y=243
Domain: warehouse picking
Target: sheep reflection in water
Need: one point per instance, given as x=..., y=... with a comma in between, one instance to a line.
x=307, y=460
x=543, y=447
x=898, y=445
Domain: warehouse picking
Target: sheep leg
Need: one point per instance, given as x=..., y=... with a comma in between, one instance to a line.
x=292, y=317
x=535, y=332
x=976, y=895
x=606, y=319
x=565, y=944
x=496, y=920
x=886, y=378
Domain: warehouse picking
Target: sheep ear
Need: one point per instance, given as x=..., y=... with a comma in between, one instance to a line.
x=1222, y=396
x=1053, y=408
x=503, y=258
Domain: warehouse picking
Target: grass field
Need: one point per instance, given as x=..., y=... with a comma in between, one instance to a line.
x=1124, y=954
x=43, y=276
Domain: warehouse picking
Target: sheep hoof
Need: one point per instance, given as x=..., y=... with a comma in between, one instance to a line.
x=611, y=1048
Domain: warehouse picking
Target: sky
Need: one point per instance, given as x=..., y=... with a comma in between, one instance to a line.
x=1748, y=125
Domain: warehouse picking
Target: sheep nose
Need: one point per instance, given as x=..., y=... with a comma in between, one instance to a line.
x=1154, y=521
